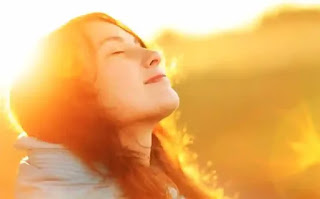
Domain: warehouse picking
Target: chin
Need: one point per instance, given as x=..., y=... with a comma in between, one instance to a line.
x=168, y=104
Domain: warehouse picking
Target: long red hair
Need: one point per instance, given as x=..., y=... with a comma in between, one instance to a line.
x=55, y=101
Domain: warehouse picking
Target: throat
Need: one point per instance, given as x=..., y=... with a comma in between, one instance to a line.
x=138, y=139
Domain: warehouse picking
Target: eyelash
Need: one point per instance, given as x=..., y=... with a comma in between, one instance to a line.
x=117, y=52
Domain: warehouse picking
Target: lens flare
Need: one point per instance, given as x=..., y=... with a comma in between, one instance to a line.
x=308, y=147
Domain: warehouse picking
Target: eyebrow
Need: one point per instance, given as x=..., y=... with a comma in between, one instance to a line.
x=116, y=38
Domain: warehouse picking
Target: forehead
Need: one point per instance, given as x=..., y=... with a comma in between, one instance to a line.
x=100, y=30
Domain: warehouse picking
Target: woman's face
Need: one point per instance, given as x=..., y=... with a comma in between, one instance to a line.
x=130, y=84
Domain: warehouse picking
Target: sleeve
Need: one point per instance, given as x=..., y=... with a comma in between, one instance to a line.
x=31, y=184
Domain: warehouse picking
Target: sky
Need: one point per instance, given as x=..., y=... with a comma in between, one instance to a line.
x=24, y=22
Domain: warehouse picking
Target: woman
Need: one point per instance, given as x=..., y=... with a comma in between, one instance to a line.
x=91, y=104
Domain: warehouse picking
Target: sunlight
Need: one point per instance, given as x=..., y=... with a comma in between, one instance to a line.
x=308, y=147
x=33, y=19
x=10, y=117
x=188, y=160
x=296, y=146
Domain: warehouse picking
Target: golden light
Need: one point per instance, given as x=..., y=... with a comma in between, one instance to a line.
x=34, y=19
x=10, y=116
x=188, y=160
x=302, y=146
x=24, y=22
x=308, y=147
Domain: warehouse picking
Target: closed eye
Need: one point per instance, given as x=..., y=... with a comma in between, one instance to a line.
x=117, y=52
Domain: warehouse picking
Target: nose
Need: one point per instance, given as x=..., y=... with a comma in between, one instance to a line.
x=153, y=59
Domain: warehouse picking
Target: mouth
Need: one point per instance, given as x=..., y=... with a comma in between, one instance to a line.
x=155, y=79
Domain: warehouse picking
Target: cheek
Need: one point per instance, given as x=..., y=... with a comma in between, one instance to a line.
x=119, y=85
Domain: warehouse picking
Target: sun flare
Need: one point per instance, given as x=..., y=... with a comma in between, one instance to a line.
x=201, y=17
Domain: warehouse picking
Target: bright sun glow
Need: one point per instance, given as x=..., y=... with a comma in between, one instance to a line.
x=24, y=22
x=308, y=147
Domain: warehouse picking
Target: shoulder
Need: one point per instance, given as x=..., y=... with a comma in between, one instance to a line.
x=51, y=189
x=80, y=192
x=51, y=172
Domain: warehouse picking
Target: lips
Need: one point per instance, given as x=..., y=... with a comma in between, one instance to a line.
x=155, y=78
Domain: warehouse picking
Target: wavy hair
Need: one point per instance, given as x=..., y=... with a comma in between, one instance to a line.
x=55, y=101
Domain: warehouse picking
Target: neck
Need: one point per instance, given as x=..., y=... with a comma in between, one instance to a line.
x=138, y=137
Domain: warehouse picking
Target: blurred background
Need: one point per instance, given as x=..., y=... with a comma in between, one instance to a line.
x=248, y=75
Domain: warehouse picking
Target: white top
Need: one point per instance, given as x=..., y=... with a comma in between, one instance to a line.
x=52, y=172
